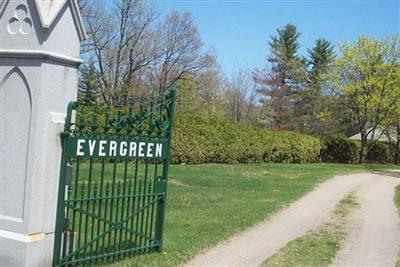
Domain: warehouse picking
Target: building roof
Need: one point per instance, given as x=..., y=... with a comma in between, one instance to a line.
x=378, y=135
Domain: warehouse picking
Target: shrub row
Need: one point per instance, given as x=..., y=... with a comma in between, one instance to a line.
x=340, y=149
x=337, y=148
x=379, y=152
x=218, y=140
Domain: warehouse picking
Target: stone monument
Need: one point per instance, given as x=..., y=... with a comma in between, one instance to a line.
x=39, y=57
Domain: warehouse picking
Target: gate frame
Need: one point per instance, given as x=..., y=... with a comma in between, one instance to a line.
x=159, y=187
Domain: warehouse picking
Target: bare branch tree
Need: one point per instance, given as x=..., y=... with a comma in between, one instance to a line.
x=252, y=99
x=119, y=45
x=241, y=95
x=179, y=46
x=210, y=85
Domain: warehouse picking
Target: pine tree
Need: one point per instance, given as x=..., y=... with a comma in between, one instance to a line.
x=320, y=58
x=284, y=48
x=313, y=104
x=281, y=82
x=89, y=89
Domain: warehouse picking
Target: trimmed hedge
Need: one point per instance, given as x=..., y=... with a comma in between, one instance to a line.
x=379, y=152
x=218, y=140
x=340, y=149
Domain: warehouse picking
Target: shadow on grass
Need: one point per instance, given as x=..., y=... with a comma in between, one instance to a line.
x=380, y=167
x=387, y=173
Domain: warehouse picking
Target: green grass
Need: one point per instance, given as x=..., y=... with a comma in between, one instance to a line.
x=210, y=202
x=319, y=247
x=397, y=197
x=397, y=202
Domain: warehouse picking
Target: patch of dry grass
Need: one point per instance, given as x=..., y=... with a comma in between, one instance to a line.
x=318, y=247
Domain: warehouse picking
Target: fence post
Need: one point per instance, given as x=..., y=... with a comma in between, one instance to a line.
x=161, y=185
x=160, y=188
x=39, y=59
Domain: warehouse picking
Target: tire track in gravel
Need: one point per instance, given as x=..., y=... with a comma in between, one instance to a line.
x=373, y=229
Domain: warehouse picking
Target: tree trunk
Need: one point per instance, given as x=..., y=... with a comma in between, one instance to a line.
x=364, y=146
x=397, y=148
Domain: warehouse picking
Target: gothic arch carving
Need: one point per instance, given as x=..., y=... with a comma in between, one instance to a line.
x=17, y=71
x=15, y=124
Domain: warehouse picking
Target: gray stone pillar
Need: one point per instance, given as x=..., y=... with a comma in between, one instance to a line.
x=39, y=57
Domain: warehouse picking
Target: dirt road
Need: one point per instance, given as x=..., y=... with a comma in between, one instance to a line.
x=258, y=243
x=373, y=235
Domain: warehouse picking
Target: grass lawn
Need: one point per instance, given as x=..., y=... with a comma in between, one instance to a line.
x=397, y=197
x=208, y=203
x=397, y=202
x=319, y=247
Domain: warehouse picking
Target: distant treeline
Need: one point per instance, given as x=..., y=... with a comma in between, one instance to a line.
x=131, y=51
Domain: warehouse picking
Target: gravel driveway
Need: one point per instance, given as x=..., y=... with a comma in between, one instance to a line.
x=372, y=240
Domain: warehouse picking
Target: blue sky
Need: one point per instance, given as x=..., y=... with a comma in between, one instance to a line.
x=239, y=30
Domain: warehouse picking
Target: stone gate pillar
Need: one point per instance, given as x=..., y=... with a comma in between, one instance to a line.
x=39, y=57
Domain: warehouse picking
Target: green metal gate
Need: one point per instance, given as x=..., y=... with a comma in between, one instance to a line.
x=113, y=180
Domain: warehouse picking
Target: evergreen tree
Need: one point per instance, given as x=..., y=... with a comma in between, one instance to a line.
x=281, y=82
x=313, y=106
x=321, y=57
x=284, y=48
x=89, y=90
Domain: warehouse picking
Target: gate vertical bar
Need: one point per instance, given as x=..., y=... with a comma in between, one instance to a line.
x=161, y=186
x=60, y=206
x=61, y=188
